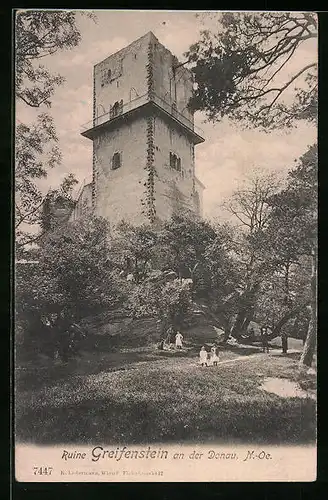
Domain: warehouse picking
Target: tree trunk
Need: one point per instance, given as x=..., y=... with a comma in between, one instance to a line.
x=245, y=312
x=236, y=329
x=311, y=338
x=227, y=332
x=249, y=317
x=286, y=317
x=309, y=346
x=284, y=343
x=306, y=329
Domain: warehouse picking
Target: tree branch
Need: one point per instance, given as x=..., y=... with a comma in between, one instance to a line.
x=282, y=89
x=25, y=216
x=28, y=241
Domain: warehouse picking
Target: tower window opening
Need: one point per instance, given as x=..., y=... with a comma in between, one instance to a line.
x=116, y=160
x=175, y=162
x=106, y=75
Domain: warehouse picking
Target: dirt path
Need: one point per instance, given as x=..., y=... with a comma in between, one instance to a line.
x=239, y=359
x=186, y=363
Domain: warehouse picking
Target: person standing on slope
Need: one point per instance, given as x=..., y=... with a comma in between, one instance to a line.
x=203, y=356
x=214, y=357
x=178, y=340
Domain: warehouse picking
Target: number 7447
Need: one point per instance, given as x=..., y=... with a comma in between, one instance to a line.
x=42, y=471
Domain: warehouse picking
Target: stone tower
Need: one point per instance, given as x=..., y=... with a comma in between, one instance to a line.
x=143, y=135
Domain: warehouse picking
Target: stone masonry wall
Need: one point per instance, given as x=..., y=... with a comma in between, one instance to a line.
x=169, y=84
x=145, y=187
x=127, y=79
x=120, y=192
x=84, y=202
x=174, y=190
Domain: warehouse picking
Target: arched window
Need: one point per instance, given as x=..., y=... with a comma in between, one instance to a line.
x=116, y=160
x=106, y=75
x=175, y=161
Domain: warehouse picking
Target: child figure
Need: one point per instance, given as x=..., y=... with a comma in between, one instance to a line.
x=178, y=340
x=214, y=356
x=203, y=356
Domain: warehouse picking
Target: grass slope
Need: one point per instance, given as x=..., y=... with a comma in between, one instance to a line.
x=149, y=396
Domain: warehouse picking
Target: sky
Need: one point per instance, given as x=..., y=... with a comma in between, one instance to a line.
x=228, y=152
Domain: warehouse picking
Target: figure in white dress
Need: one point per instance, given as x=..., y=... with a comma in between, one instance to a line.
x=214, y=356
x=178, y=340
x=203, y=357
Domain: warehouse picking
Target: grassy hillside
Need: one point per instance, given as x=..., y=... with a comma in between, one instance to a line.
x=148, y=395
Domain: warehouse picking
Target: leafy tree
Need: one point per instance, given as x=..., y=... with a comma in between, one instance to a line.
x=225, y=277
x=185, y=259
x=284, y=297
x=296, y=207
x=293, y=229
x=167, y=299
x=249, y=70
x=182, y=243
x=242, y=67
x=38, y=34
x=250, y=212
x=132, y=248
x=35, y=153
x=72, y=279
x=249, y=203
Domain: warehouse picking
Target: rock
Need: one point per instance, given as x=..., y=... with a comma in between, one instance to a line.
x=220, y=333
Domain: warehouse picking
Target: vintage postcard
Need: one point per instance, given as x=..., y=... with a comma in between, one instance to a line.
x=166, y=246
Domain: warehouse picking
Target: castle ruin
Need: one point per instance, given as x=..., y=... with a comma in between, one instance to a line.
x=143, y=137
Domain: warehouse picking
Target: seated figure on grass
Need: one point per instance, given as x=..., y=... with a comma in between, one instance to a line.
x=170, y=337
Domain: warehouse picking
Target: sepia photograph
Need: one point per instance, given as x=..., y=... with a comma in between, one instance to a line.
x=165, y=245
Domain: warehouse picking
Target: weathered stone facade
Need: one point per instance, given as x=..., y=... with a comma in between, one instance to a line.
x=83, y=203
x=143, y=135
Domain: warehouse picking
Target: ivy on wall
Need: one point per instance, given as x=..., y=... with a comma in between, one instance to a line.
x=149, y=200
x=94, y=166
x=150, y=72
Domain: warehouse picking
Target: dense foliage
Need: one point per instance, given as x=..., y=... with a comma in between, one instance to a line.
x=246, y=68
x=261, y=267
x=71, y=278
x=258, y=268
x=38, y=35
